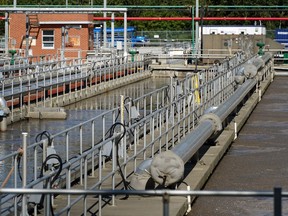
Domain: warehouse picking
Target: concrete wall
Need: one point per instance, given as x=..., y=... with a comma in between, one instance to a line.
x=227, y=44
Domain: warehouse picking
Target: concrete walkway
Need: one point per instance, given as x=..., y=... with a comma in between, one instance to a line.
x=256, y=161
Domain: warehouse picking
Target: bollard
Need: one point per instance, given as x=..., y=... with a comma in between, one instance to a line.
x=3, y=123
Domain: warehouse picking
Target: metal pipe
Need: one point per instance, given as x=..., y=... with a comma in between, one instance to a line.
x=193, y=29
x=6, y=18
x=125, y=34
x=24, y=170
x=187, y=18
x=208, y=125
x=63, y=35
x=175, y=6
x=206, y=128
x=160, y=192
x=224, y=110
x=105, y=25
x=191, y=143
x=112, y=30
x=27, y=37
x=229, y=105
x=61, y=10
x=195, y=18
x=197, y=28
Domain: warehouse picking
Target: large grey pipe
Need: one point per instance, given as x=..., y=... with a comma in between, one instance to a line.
x=224, y=110
x=168, y=167
x=209, y=124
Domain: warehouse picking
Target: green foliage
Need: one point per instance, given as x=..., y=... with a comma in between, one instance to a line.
x=223, y=11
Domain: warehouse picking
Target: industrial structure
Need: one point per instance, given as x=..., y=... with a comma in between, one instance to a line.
x=157, y=144
x=48, y=34
x=45, y=31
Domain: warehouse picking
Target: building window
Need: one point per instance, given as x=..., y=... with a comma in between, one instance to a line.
x=48, y=39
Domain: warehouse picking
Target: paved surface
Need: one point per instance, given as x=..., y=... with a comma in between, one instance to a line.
x=257, y=160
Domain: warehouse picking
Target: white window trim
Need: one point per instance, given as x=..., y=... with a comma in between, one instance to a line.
x=48, y=48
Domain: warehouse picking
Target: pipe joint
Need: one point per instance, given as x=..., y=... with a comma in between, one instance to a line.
x=239, y=80
x=217, y=123
x=167, y=168
x=250, y=71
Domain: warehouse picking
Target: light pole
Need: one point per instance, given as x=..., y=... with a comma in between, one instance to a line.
x=105, y=25
x=197, y=28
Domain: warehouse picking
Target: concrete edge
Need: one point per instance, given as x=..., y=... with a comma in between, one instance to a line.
x=64, y=100
x=209, y=161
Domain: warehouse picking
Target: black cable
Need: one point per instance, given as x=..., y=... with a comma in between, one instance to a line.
x=118, y=114
x=164, y=180
x=39, y=137
x=44, y=166
x=117, y=155
x=18, y=167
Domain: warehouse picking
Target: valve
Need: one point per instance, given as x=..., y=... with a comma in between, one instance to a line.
x=12, y=52
x=133, y=52
x=260, y=45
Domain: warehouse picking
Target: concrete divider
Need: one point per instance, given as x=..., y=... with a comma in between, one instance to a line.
x=47, y=113
x=206, y=165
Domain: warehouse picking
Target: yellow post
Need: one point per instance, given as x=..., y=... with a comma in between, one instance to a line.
x=195, y=86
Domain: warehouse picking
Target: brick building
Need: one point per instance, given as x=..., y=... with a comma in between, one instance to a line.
x=49, y=33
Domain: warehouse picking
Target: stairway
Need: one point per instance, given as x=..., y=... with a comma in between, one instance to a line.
x=33, y=30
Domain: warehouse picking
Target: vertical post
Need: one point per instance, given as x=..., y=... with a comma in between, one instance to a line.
x=197, y=29
x=121, y=149
x=277, y=201
x=171, y=117
x=165, y=204
x=24, y=170
x=201, y=37
x=235, y=130
x=62, y=43
x=125, y=34
x=27, y=36
x=112, y=30
x=105, y=25
x=193, y=30
x=6, y=32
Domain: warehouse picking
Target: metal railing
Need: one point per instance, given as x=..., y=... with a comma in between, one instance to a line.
x=118, y=140
x=276, y=195
x=37, y=84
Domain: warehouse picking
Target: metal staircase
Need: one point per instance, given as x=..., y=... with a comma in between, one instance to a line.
x=33, y=30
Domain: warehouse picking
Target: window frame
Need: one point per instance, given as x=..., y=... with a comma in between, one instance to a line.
x=48, y=36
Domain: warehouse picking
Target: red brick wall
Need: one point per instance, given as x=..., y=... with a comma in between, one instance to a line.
x=17, y=31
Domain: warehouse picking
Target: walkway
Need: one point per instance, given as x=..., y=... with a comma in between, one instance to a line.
x=257, y=160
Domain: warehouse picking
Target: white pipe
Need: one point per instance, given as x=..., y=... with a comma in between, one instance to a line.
x=24, y=177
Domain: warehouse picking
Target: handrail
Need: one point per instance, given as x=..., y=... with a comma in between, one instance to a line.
x=277, y=194
x=161, y=126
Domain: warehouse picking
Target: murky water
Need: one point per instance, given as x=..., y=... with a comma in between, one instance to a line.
x=11, y=139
